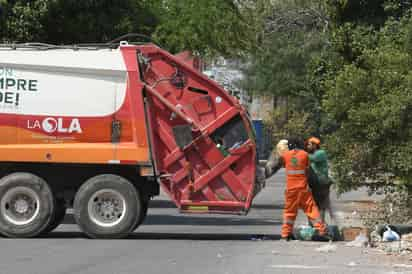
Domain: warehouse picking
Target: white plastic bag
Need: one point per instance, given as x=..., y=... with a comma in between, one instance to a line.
x=360, y=241
x=389, y=235
x=328, y=248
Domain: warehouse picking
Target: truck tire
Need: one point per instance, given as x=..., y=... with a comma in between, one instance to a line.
x=107, y=206
x=57, y=219
x=142, y=217
x=26, y=205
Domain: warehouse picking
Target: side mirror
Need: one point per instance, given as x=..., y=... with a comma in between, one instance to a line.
x=183, y=135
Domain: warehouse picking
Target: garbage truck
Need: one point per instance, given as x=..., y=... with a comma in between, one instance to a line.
x=100, y=129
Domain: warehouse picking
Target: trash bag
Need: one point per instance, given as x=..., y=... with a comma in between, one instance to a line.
x=273, y=165
x=309, y=233
x=389, y=235
x=274, y=162
x=400, y=229
x=334, y=232
x=305, y=233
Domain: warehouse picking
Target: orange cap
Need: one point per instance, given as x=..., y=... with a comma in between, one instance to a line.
x=314, y=140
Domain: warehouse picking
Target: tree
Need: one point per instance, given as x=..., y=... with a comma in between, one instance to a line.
x=287, y=62
x=345, y=65
x=20, y=20
x=91, y=21
x=370, y=100
x=208, y=28
x=66, y=22
x=368, y=93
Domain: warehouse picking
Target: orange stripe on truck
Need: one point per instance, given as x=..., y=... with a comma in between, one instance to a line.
x=72, y=153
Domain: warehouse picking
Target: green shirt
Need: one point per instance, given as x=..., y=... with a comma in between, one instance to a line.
x=319, y=164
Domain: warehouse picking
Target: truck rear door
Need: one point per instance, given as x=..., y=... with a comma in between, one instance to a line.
x=202, y=141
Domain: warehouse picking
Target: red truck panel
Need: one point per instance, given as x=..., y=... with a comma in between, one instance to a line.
x=198, y=175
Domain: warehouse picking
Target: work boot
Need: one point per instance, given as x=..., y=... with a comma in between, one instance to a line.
x=327, y=236
x=288, y=238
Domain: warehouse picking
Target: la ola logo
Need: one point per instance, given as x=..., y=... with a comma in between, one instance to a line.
x=60, y=125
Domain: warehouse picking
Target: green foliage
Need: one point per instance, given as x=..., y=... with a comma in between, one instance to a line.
x=371, y=101
x=365, y=12
x=22, y=19
x=281, y=69
x=357, y=11
x=206, y=27
x=88, y=21
x=397, y=8
x=347, y=74
x=298, y=123
x=69, y=21
x=291, y=61
x=349, y=40
x=292, y=38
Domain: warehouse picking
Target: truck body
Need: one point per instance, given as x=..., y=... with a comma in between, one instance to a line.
x=100, y=130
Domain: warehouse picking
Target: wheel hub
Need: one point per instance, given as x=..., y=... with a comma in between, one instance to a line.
x=107, y=207
x=20, y=205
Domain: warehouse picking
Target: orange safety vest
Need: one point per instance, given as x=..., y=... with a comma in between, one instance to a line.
x=296, y=163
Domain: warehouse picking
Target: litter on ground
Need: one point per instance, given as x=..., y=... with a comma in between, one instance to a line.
x=328, y=248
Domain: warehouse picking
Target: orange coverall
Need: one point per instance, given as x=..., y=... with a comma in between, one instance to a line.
x=297, y=194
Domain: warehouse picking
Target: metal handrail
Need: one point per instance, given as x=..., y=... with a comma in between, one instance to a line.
x=113, y=44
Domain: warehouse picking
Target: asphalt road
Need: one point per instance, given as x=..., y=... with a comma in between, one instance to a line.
x=194, y=244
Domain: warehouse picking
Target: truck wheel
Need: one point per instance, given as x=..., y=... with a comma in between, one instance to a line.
x=26, y=205
x=59, y=213
x=145, y=207
x=107, y=206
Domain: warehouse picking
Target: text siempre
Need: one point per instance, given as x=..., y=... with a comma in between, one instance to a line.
x=11, y=87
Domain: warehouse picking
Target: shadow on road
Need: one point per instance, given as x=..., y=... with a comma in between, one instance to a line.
x=161, y=204
x=174, y=236
x=160, y=219
x=265, y=206
x=170, y=204
x=204, y=236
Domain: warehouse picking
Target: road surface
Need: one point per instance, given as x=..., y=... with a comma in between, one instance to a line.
x=168, y=242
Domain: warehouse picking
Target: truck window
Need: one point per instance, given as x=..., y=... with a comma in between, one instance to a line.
x=232, y=134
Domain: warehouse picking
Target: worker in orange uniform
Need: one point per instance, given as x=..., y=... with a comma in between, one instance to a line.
x=298, y=194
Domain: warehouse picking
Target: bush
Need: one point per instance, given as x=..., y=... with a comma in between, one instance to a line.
x=297, y=123
x=395, y=208
x=371, y=101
